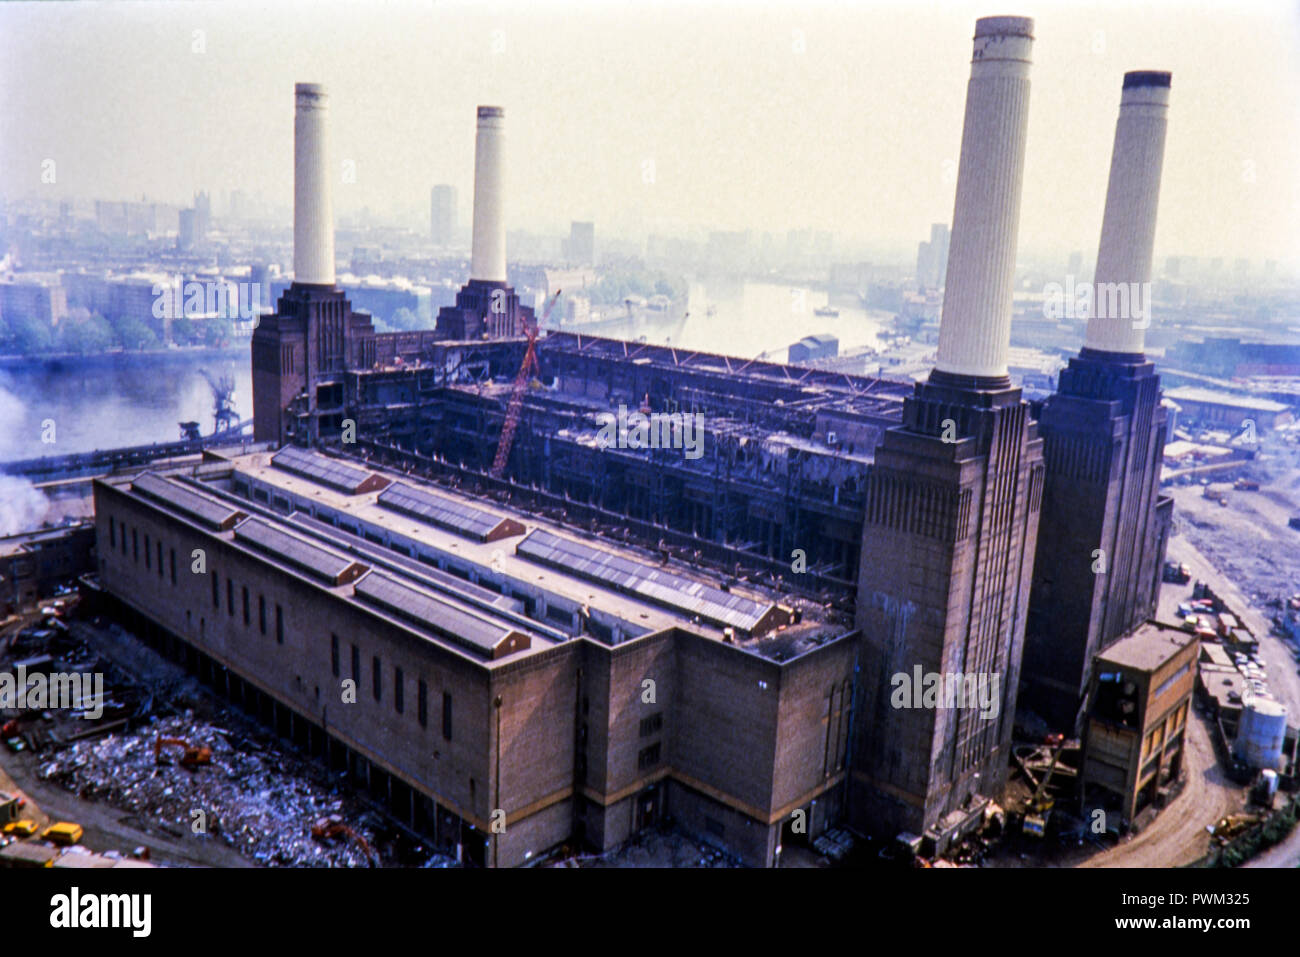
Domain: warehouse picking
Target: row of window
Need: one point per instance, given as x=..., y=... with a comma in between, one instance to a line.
x=399, y=686
x=117, y=533
x=117, y=536
x=245, y=606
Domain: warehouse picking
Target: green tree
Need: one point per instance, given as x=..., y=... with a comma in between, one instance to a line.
x=183, y=331
x=215, y=331
x=133, y=334
x=32, y=335
x=85, y=336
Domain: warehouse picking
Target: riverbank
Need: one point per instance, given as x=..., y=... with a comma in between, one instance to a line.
x=67, y=361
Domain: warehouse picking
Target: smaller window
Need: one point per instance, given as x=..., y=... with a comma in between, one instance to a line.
x=146, y=553
x=135, y=545
x=216, y=592
x=160, y=567
x=112, y=534
x=652, y=724
x=648, y=757
x=247, y=617
x=261, y=615
x=376, y=678
x=122, y=527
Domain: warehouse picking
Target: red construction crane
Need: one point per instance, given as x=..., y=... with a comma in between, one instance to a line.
x=516, y=405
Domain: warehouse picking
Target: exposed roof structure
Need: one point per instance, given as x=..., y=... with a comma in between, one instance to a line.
x=662, y=587
x=444, y=512
x=325, y=565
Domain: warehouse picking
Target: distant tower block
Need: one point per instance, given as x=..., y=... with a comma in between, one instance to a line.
x=488, y=262
x=1128, y=230
x=313, y=210
x=975, y=330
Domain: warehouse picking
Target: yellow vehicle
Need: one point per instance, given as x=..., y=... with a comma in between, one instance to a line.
x=22, y=828
x=64, y=832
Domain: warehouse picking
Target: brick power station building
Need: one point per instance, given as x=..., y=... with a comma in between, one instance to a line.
x=607, y=635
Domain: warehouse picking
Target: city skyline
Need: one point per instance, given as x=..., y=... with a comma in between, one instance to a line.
x=591, y=139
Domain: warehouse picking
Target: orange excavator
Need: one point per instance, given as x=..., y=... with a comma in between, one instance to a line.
x=330, y=827
x=193, y=757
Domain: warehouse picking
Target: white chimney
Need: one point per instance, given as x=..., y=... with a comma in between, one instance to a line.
x=488, y=262
x=975, y=331
x=313, y=212
x=1121, y=313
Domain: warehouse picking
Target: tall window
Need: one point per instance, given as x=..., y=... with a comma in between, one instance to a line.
x=112, y=534
x=446, y=715
x=160, y=568
x=398, y=703
x=356, y=665
x=230, y=597
x=279, y=624
x=422, y=704
x=261, y=613
x=376, y=678
x=171, y=556
x=216, y=592
x=247, y=617
x=334, y=654
x=146, y=553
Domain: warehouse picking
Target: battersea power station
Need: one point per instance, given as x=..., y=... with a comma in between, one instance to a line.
x=522, y=622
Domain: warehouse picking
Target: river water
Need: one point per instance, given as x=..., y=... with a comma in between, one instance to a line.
x=135, y=400
x=111, y=402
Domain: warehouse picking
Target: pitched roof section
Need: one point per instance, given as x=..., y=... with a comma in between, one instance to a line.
x=322, y=564
x=442, y=512
x=327, y=471
x=207, y=511
x=657, y=585
x=478, y=633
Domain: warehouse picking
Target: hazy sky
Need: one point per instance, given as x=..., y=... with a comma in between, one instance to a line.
x=844, y=117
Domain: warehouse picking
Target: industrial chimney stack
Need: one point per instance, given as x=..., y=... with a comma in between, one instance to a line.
x=1128, y=229
x=313, y=212
x=952, y=497
x=975, y=331
x=1104, y=431
x=488, y=262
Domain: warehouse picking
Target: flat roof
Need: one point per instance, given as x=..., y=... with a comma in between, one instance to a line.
x=1149, y=647
x=1192, y=393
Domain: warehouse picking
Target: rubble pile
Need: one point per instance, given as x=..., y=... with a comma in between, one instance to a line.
x=251, y=798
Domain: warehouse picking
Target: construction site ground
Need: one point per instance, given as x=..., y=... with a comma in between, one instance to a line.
x=259, y=795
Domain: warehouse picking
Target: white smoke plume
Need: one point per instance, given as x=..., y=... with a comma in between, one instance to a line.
x=22, y=505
